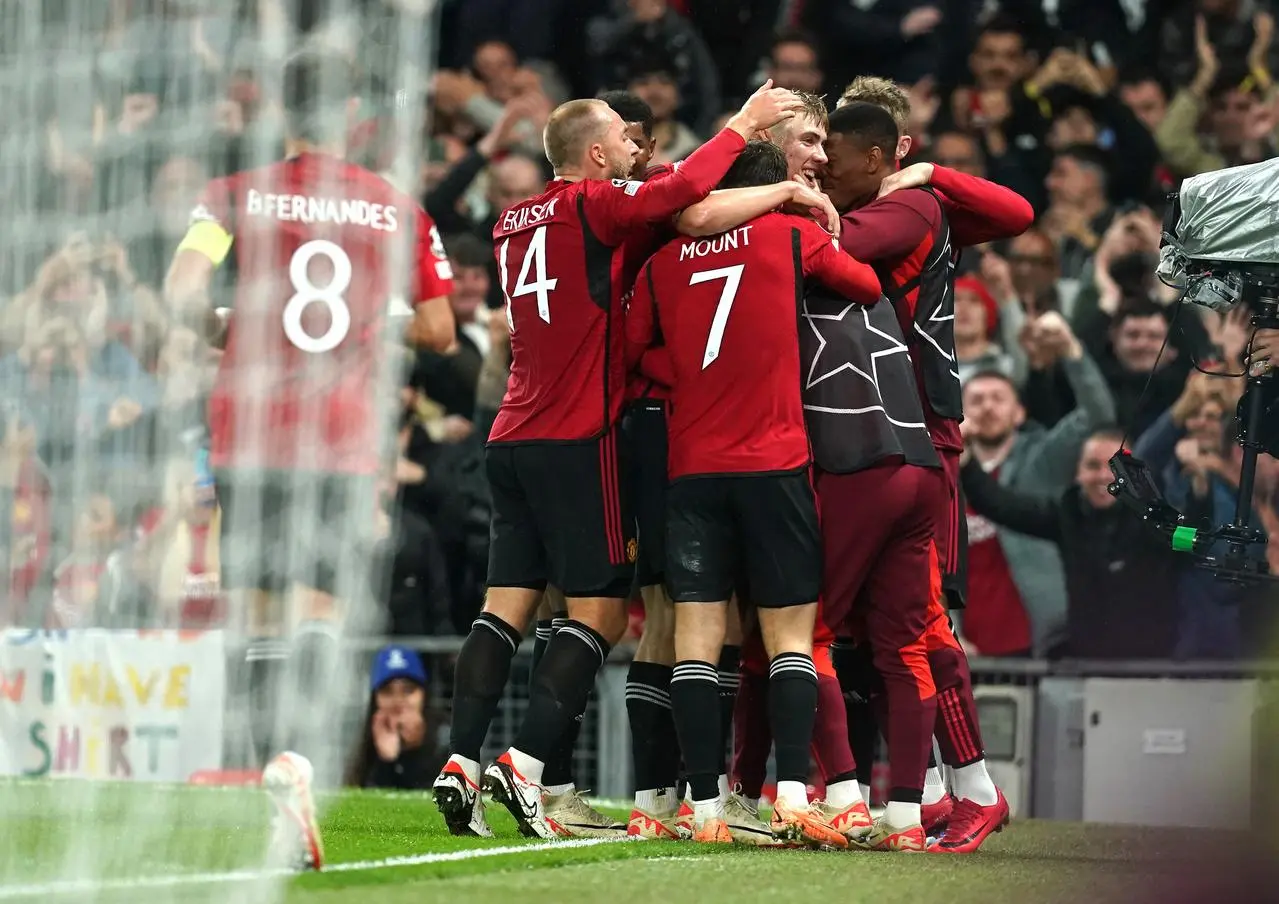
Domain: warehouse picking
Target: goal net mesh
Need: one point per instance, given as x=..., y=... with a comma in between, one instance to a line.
x=117, y=114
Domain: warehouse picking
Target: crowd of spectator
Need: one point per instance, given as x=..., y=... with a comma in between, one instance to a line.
x=1092, y=109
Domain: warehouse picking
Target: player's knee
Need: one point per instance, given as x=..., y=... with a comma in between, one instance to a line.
x=605, y=616
x=948, y=667
x=316, y=605
x=699, y=631
x=513, y=605
x=659, y=614
x=788, y=629
x=263, y=612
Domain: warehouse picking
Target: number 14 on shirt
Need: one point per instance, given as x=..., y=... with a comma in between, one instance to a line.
x=541, y=286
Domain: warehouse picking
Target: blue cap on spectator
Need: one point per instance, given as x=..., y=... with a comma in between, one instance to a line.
x=397, y=662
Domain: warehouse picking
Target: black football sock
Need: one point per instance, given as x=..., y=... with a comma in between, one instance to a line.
x=266, y=659
x=792, y=706
x=559, y=768
x=541, y=637
x=695, y=707
x=483, y=665
x=730, y=679
x=313, y=674
x=654, y=747
x=561, y=687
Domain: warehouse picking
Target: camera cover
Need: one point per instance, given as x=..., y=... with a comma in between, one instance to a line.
x=1231, y=214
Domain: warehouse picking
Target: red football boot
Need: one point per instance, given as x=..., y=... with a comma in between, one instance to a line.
x=970, y=824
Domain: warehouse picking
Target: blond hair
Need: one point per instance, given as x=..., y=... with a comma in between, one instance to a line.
x=571, y=127
x=814, y=108
x=882, y=92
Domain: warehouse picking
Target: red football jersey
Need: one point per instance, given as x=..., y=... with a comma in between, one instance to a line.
x=565, y=274
x=322, y=248
x=728, y=307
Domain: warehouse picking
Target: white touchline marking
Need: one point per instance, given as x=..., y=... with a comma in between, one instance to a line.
x=92, y=886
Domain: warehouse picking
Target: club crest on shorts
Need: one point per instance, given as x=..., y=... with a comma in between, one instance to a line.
x=632, y=550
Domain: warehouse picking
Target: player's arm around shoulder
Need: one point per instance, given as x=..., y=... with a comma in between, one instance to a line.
x=890, y=227
x=729, y=208
x=202, y=250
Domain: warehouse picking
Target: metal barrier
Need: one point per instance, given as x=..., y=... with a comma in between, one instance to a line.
x=1055, y=732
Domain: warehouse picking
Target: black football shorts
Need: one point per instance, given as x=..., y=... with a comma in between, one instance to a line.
x=313, y=528
x=644, y=432
x=561, y=516
x=760, y=529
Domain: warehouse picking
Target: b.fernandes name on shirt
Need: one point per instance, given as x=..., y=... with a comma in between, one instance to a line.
x=728, y=241
x=307, y=209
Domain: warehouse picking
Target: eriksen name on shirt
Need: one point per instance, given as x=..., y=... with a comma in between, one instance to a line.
x=528, y=215
x=306, y=209
x=728, y=241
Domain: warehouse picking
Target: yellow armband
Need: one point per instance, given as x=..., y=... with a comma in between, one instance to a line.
x=208, y=238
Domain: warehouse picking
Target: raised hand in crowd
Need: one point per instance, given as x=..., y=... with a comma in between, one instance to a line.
x=1192, y=458
x=1230, y=332
x=1048, y=339
x=386, y=734
x=533, y=108
x=112, y=257
x=997, y=274
x=920, y=21
x=123, y=412
x=1066, y=67
x=1263, y=30
x=925, y=101
x=451, y=90
x=499, y=332
x=1209, y=65
x=1134, y=232
x=1200, y=387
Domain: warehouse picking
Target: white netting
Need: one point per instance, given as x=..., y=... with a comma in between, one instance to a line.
x=117, y=114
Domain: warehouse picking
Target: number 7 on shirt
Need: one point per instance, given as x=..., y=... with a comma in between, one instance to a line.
x=732, y=277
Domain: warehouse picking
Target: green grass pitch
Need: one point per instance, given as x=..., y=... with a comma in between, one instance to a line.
x=77, y=841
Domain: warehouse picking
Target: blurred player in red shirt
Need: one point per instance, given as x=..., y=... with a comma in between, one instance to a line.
x=560, y=513
x=740, y=504
x=323, y=247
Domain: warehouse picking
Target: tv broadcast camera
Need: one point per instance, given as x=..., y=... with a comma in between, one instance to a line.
x=1221, y=246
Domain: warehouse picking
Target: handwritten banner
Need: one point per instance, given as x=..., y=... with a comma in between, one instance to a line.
x=139, y=705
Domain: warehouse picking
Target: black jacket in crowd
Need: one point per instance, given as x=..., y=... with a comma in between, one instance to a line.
x=1121, y=576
